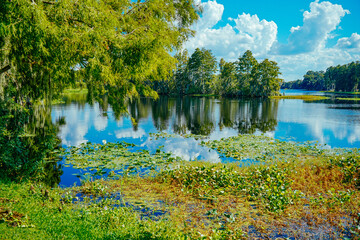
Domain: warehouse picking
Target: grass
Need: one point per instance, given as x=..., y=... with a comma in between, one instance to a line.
x=355, y=93
x=302, y=97
x=75, y=90
x=296, y=190
x=349, y=99
x=204, y=95
x=70, y=94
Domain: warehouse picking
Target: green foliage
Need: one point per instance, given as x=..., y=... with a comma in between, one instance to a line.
x=270, y=184
x=200, y=71
x=113, y=45
x=262, y=148
x=46, y=214
x=227, y=84
x=342, y=78
x=349, y=164
x=247, y=77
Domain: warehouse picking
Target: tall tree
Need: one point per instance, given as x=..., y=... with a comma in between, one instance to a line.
x=265, y=79
x=201, y=68
x=228, y=80
x=114, y=45
x=245, y=64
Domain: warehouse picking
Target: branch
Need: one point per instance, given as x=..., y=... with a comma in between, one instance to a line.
x=80, y=21
x=5, y=69
x=50, y=3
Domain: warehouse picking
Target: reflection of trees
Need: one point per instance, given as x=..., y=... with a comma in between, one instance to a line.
x=161, y=112
x=44, y=139
x=27, y=139
x=249, y=115
x=198, y=115
x=139, y=109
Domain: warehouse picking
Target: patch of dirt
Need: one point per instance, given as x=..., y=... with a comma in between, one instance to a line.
x=14, y=219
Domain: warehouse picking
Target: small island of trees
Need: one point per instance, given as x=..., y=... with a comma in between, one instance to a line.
x=245, y=77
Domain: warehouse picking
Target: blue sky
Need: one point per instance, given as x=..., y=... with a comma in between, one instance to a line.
x=300, y=35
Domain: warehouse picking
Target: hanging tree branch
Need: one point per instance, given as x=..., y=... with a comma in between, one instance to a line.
x=5, y=69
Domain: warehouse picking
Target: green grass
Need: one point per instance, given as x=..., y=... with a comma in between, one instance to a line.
x=204, y=95
x=349, y=99
x=355, y=93
x=298, y=190
x=302, y=97
x=75, y=90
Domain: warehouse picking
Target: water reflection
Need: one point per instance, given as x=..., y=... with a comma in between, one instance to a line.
x=328, y=121
x=202, y=116
x=186, y=148
x=249, y=116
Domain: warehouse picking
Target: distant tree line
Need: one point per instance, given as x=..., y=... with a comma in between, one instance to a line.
x=201, y=74
x=342, y=78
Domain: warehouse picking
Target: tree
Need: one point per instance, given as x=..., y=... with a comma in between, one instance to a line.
x=200, y=71
x=181, y=81
x=114, y=45
x=245, y=65
x=265, y=79
x=228, y=81
x=314, y=80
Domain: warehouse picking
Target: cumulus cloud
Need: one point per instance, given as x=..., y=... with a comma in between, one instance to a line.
x=229, y=41
x=295, y=66
x=352, y=42
x=319, y=22
x=305, y=49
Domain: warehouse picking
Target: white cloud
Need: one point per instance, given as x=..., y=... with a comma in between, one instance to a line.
x=352, y=42
x=295, y=66
x=306, y=47
x=319, y=22
x=231, y=41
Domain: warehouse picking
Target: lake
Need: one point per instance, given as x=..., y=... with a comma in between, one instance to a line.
x=332, y=122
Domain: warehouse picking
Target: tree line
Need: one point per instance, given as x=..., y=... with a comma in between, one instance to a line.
x=202, y=74
x=342, y=78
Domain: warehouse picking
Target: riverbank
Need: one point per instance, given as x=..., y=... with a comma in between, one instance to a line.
x=292, y=190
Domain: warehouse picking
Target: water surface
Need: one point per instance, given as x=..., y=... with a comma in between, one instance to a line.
x=333, y=122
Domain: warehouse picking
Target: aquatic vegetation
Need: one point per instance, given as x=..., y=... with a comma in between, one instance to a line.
x=99, y=159
x=293, y=190
x=301, y=97
x=264, y=149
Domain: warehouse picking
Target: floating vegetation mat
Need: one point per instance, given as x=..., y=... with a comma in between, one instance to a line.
x=114, y=158
x=299, y=191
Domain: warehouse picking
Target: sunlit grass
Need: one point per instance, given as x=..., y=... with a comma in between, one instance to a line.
x=354, y=93
x=75, y=90
x=301, y=97
x=349, y=99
